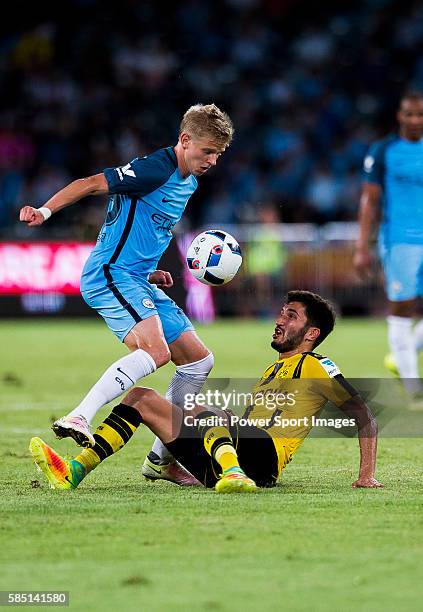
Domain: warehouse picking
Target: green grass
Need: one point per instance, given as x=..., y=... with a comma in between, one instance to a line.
x=120, y=542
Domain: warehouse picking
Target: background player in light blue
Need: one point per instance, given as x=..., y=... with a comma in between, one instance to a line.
x=392, y=194
x=147, y=198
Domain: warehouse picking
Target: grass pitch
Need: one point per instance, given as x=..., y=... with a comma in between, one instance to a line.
x=312, y=543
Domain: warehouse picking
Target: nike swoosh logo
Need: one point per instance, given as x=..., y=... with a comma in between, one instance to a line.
x=165, y=200
x=124, y=373
x=154, y=469
x=67, y=478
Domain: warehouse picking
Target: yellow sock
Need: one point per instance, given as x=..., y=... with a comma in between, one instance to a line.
x=110, y=436
x=89, y=459
x=218, y=444
x=226, y=457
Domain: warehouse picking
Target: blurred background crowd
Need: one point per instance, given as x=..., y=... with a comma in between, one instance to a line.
x=308, y=86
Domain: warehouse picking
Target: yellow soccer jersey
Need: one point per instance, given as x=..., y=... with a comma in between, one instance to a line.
x=289, y=395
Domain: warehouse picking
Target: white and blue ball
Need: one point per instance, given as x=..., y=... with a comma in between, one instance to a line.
x=214, y=257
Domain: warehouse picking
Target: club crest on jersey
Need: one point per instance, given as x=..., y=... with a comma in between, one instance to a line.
x=148, y=303
x=330, y=367
x=114, y=209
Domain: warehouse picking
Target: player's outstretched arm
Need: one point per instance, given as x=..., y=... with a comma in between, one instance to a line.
x=367, y=434
x=368, y=220
x=78, y=189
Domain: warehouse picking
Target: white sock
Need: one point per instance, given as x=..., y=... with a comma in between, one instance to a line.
x=402, y=346
x=119, y=377
x=418, y=335
x=188, y=378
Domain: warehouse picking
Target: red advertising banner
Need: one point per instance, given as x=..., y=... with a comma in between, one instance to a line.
x=42, y=267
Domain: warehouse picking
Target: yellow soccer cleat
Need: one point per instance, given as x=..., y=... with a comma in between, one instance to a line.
x=390, y=364
x=60, y=473
x=234, y=480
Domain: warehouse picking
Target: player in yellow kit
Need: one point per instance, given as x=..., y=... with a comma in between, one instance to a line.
x=304, y=382
x=236, y=453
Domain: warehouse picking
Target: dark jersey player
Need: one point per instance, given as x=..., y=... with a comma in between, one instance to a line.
x=239, y=457
x=392, y=196
x=147, y=198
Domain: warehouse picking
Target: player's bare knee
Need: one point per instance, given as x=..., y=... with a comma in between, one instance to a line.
x=131, y=343
x=147, y=404
x=140, y=396
x=161, y=356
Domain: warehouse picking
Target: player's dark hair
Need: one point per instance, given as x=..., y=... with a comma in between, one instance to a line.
x=412, y=94
x=320, y=313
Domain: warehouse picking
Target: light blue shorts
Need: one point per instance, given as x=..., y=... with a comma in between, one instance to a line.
x=403, y=268
x=126, y=302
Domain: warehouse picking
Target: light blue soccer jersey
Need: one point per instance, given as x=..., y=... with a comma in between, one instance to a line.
x=397, y=166
x=148, y=197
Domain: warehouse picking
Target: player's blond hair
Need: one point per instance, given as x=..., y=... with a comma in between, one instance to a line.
x=208, y=121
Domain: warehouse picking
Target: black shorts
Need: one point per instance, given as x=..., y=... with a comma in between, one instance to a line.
x=255, y=448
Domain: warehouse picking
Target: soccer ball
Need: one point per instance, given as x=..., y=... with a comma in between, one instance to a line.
x=214, y=257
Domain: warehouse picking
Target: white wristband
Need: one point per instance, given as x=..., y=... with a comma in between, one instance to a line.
x=46, y=212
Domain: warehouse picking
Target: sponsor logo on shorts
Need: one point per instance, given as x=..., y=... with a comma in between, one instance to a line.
x=148, y=303
x=396, y=286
